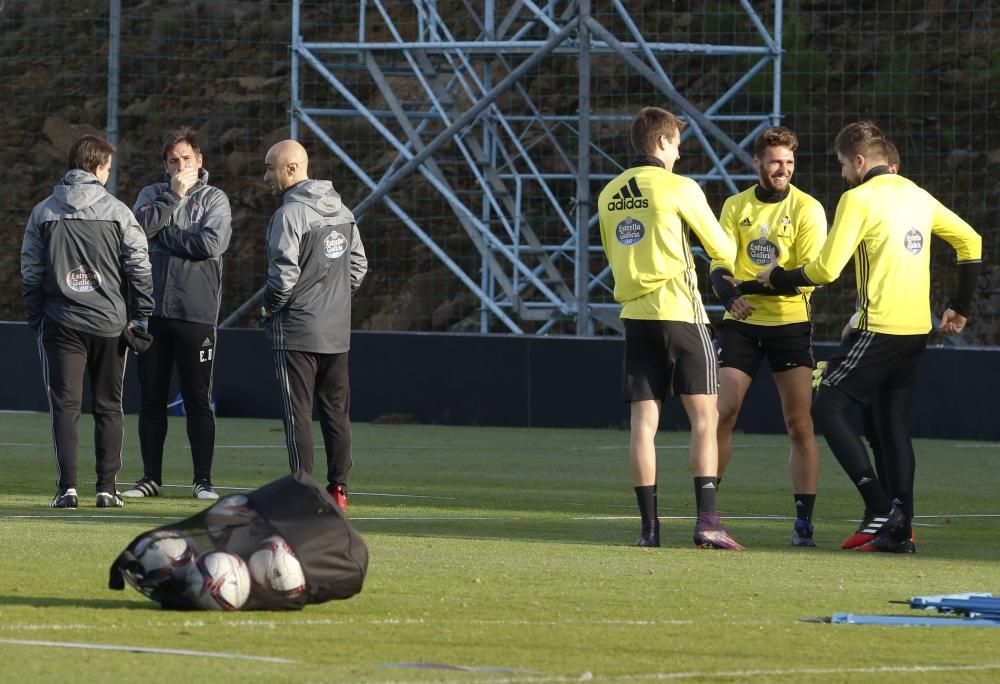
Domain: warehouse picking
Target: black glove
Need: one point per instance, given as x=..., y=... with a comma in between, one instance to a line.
x=137, y=336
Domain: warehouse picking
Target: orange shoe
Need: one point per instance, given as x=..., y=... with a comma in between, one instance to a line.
x=339, y=494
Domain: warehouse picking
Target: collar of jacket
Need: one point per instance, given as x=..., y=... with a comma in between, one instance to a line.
x=879, y=170
x=769, y=197
x=647, y=160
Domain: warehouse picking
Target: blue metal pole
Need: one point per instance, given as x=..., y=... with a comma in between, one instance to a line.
x=114, y=74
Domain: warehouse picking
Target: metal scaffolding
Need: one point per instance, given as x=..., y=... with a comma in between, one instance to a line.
x=459, y=112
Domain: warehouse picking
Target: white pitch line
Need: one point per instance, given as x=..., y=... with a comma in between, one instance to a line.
x=748, y=674
x=932, y=516
x=75, y=516
x=235, y=489
x=147, y=649
x=72, y=516
x=688, y=446
x=250, y=488
x=422, y=665
x=405, y=496
x=424, y=518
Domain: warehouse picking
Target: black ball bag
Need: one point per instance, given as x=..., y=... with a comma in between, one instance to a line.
x=332, y=554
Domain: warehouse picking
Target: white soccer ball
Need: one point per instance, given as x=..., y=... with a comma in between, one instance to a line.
x=164, y=555
x=274, y=567
x=219, y=581
x=226, y=515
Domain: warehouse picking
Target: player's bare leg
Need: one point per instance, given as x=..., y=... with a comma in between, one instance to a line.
x=644, y=422
x=703, y=414
x=733, y=386
x=795, y=390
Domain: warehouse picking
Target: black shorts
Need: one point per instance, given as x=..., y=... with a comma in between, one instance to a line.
x=866, y=362
x=743, y=345
x=668, y=357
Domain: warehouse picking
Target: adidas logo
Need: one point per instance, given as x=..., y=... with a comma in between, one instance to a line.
x=863, y=481
x=628, y=197
x=206, y=343
x=875, y=525
x=746, y=223
x=708, y=485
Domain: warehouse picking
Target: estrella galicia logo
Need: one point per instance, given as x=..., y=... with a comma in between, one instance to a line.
x=630, y=231
x=913, y=241
x=761, y=251
x=628, y=197
x=334, y=245
x=195, y=211
x=83, y=279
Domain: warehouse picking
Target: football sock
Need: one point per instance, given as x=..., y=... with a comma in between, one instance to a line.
x=891, y=413
x=830, y=413
x=804, y=506
x=705, y=489
x=904, y=502
x=646, y=498
x=870, y=489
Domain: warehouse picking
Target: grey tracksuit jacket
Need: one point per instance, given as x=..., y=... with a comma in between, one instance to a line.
x=187, y=237
x=84, y=260
x=315, y=263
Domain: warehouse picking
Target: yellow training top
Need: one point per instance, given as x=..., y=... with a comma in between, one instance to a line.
x=646, y=216
x=792, y=230
x=886, y=223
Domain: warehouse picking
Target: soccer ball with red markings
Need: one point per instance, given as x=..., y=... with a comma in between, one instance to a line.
x=228, y=514
x=219, y=581
x=164, y=555
x=274, y=567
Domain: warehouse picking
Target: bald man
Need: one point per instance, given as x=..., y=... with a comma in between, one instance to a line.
x=315, y=264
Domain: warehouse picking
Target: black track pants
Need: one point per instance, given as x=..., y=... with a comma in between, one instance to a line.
x=191, y=348
x=303, y=377
x=66, y=354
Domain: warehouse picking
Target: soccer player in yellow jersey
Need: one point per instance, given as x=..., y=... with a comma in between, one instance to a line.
x=773, y=220
x=646, y=216
x=885, y=222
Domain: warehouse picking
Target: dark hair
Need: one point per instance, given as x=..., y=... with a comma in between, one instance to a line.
x=649, y=125
x=892, y=155
x=89, y=152
x=775, y=136
x=185, y=134
x=864, y=138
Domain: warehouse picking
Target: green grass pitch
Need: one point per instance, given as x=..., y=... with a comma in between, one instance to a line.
x=507, y=552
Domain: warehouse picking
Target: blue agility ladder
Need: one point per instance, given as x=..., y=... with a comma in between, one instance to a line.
x=912, y=620
x=974, y=609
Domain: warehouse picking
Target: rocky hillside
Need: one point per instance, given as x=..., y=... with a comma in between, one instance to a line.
x=929, y=73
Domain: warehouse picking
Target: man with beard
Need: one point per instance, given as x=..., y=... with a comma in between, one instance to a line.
x=885, y=222
x=772, y=220
x=189, y=225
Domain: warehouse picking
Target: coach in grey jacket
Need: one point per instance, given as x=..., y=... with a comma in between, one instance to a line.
x=316, y=262
x=85, y=272
x=189, y=224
